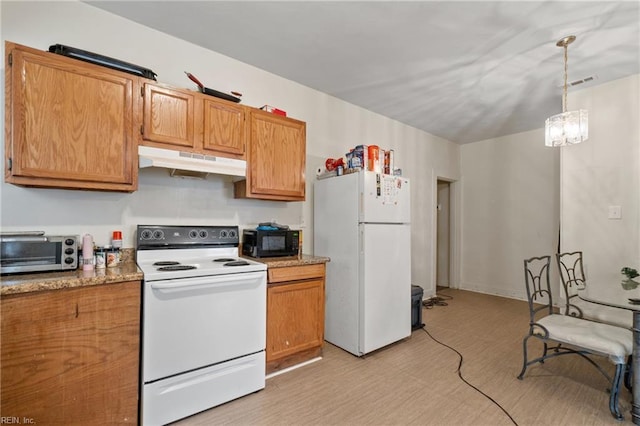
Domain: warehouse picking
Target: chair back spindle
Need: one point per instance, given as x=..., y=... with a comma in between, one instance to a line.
x=536, y=272
x=573, y=279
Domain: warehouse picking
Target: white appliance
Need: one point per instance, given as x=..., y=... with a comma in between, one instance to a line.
x=193, y=162
x=203, y=320
x=362, y=222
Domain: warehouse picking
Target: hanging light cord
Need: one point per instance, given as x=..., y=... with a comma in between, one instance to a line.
x=564, y=97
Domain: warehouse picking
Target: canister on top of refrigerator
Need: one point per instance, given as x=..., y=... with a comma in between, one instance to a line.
x=374, y=158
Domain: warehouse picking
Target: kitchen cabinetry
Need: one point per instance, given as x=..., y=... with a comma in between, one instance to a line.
x=224, y=127
x=168, y=116
x=191, y=121
x=68, y=124
x=71, y=356
x=295, y=315
x=276, y=158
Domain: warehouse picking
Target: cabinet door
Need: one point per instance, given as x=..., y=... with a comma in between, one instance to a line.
x=224, y=128
x=69, y=124
x=277, y=155
x=71, y=356
x=169, y=116
x=295, y=317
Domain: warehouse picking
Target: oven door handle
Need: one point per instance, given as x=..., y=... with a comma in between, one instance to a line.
x=209, y=281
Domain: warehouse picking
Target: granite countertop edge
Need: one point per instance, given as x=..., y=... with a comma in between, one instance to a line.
x=29, y=283
x=129, y=271
x=283, y=262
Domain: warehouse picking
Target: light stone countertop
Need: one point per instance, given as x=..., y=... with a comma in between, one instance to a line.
x=27, y=283
x=283, y=262
x=127, y=271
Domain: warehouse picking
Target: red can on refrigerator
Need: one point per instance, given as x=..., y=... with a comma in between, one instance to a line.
x=374, y=158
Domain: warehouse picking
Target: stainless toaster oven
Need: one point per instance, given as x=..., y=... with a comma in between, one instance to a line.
x=36, y=252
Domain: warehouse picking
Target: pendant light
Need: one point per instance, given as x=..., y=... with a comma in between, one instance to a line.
x=570, y=127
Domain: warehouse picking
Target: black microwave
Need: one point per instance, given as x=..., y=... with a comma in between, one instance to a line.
x=270, y=243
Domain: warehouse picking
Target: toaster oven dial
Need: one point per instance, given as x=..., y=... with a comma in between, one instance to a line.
x=68, y=260
x=70, y=242
x=68, y=250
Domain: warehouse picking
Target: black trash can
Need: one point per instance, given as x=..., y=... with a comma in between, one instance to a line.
x=416, y=307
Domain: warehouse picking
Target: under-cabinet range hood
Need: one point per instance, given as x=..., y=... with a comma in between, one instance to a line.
x=188, y=164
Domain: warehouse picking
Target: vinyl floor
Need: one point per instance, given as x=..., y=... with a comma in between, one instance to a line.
x=415, y=381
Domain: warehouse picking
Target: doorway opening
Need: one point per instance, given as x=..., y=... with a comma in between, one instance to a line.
x=443, y=234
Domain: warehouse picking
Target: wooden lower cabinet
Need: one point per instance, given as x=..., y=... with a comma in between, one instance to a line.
x=71, y=356
x=295, y=315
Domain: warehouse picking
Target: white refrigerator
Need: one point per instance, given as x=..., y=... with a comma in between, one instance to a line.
x=362, y=222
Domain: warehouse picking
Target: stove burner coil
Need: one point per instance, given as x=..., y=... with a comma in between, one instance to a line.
x=224, y=259
x=176, y=268
x=237, y=263
x=166, y=263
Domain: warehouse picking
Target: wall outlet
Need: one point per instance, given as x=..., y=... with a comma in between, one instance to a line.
x=615, y=212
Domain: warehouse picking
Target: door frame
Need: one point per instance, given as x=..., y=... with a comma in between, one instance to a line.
x=455, y=204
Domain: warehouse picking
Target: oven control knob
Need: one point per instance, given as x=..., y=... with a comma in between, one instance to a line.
x=68, y=250
x=70, y=241
x=232, y=234
x=203, y=233
x=68, y=260
x=146, y=234
x=158, y=234
x=223, y=234
x=193, y=234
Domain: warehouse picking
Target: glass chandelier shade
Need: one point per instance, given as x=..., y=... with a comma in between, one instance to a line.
x=569, y=127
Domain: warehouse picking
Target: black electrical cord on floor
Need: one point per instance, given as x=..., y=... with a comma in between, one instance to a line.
x=436, y=301
x=465, y=381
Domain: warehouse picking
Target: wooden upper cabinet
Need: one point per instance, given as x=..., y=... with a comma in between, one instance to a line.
x=68, y=124
x=276, y=158
x=224, y=127
x=190, y=121
x=169, y=116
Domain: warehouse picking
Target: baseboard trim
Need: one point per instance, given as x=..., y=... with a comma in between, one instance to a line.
x=293, y=367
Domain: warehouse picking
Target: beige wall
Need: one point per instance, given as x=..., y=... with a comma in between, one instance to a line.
x=510, y=210
x=333, y=127
x=517, y=194
x=601, y=172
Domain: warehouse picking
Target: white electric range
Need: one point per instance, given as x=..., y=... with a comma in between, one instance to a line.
x=203, y=320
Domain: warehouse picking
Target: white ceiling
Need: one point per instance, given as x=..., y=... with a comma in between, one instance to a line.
x=465, y=71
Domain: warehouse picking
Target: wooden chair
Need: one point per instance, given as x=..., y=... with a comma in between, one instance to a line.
x=583, y=337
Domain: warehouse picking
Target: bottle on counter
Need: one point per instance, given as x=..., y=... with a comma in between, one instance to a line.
x=87, y=253
x=116, y=239
x=116, y=242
